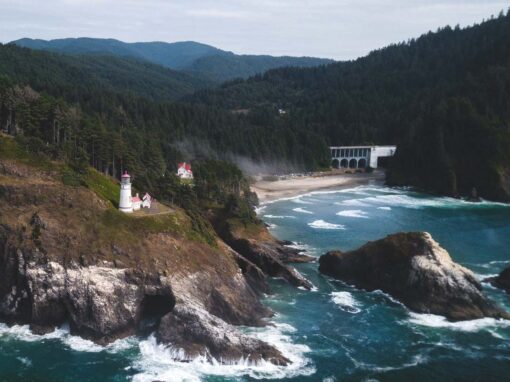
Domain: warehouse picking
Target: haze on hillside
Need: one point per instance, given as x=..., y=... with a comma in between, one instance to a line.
x=338, y=29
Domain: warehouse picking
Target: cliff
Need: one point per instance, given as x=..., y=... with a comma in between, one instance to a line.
x=67, y=255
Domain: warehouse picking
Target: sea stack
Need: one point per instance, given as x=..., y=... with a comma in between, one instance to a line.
x=417, y=271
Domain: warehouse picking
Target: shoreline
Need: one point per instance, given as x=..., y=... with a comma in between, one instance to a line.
x=269, y=191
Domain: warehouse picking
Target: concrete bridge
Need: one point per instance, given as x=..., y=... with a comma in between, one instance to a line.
x=359, y=156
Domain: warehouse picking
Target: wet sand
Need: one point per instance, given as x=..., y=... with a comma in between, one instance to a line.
x=271, y=190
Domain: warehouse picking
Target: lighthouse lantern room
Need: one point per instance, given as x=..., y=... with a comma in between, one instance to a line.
x=125, y=202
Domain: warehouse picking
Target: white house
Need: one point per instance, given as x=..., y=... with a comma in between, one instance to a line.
x=184, y=171
x=146, y=201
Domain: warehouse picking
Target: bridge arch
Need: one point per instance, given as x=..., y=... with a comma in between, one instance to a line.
x=353, y=163
x=362, y=163
x=335, y=163
x=344, y=163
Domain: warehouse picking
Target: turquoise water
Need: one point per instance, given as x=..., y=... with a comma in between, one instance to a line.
x=334, y=333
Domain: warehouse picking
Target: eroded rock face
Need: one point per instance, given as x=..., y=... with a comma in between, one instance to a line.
x=100, y=303
x=414, y=269
x=193, y=332
x=502, y=280
x=268, y=257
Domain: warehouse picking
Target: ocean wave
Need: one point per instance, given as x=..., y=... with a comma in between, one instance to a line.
x=352, y=203
x=384, y=208
x=353, y=214
x=302, y=248
x=299, y=200
x=62, y=334
x=435, y=321
x=321, y=224
x=158, y=362
x=302, y=211
x=346, y=302
x=279, y=216
x=415, y=361
x=260, y=209
x=25, y=361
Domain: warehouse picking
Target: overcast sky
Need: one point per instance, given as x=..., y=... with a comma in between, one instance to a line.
x=339, y=29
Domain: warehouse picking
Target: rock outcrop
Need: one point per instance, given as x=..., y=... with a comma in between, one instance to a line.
x=502, y=280
x=66, y=255
x=194, y=332
x=414, y=269
x=258, y=247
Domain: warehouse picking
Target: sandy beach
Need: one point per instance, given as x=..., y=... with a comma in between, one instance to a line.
x=271, y=190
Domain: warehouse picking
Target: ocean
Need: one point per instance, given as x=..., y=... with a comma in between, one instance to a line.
x=334, y=332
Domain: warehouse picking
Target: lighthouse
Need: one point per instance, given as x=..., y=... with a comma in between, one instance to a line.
x=125, y=202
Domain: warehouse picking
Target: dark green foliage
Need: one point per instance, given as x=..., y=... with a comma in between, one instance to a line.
x=444, y=98
x=192, y=57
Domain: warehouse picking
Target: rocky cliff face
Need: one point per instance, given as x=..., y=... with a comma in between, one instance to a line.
x=255, y=244
x=67, y=256
x=415, y=270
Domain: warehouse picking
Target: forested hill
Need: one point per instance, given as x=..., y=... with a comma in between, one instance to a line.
x=187, y=56
x=444, y=98
x=112, y=114
x=71, y=76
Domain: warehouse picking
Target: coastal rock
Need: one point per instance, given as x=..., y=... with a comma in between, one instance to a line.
x=192, y=332
x=268, y=257
x=67, y=256
x=256, y=245
x=502, y=280
x=101, y=304
x=414, y=269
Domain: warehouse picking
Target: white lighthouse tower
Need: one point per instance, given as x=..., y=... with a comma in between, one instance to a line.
x=125, y=203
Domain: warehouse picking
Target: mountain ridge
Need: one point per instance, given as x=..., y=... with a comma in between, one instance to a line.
x=186, y=56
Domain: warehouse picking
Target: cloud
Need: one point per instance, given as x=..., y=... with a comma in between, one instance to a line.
x=341, y=29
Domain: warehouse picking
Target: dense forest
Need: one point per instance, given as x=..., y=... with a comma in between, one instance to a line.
x=117, y=113
x=444, y=98
x=187, y=56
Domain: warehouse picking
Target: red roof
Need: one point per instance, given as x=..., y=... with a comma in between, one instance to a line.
x=186, y=166
x=135, y=199
x=126, y=175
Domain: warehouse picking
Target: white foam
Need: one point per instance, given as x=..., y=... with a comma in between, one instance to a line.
x=279, y=216
x=260, y=209
x=321, y=224
x=157, y=362
x=346, y=302
x=23, y=333
x=303, y=248
x=25, y=361
x=385, y=208
x=353, y=214
x=352, y=203
x=301, y=201
x=435, y=321
x=302, y=211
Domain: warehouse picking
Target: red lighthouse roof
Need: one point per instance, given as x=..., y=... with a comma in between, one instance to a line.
x=126, y=175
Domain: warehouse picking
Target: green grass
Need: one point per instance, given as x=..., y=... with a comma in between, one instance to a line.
x=118, y=226
x=104, y=186
x=11, y=149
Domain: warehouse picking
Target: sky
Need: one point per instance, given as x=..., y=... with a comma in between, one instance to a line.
x=338, y=29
